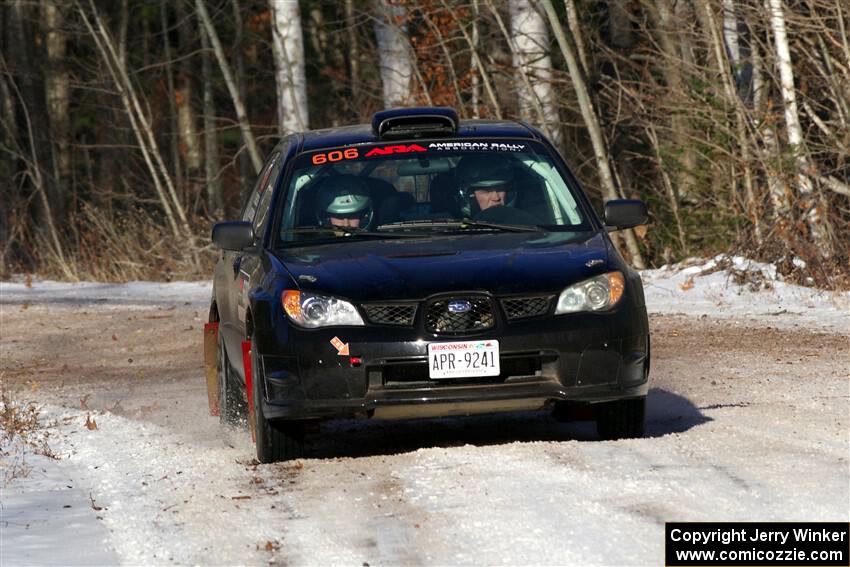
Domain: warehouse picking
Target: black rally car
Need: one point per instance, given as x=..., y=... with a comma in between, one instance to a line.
x=423, y=266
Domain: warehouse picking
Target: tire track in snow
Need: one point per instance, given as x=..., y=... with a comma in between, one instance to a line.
x=348, y=511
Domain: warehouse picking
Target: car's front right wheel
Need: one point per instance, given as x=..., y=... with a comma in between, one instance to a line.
x=277, y=440
x=621, y=419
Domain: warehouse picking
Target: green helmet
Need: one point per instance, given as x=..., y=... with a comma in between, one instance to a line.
x=482, y=171
x=344, y=196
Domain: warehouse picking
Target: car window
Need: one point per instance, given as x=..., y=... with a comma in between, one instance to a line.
x=262, y=182
x=266, y=193
x=514, y=182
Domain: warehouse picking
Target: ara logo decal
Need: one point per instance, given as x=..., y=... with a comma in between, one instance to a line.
x=399, y=149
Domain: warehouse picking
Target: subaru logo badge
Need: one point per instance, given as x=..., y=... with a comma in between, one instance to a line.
x=459, y=306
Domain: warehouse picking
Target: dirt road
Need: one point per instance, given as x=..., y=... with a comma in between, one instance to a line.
x=746, y=422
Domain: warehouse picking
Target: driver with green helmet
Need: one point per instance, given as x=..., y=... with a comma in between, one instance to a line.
x=344, y=201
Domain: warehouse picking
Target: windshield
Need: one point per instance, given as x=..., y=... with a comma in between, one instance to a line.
x=427, y=187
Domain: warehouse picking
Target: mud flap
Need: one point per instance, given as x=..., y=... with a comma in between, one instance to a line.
x=249, y=387
x=211, y=365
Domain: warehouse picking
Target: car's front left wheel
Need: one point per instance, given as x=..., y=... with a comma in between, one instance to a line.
x=277, y=440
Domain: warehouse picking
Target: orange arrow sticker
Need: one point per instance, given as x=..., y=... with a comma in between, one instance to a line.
x=341, y=347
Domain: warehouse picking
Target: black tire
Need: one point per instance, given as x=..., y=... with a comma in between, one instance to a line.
x=231, y=402
x=277, y=440
x=621, y=419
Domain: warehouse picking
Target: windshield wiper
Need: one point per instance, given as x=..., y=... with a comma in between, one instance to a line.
x=341, y=231
x=454, y=224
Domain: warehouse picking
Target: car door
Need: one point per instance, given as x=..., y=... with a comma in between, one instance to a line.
x=231, y=280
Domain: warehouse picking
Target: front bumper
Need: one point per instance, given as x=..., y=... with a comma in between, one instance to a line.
x=583, y=357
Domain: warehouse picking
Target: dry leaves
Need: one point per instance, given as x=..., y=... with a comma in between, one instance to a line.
x=90, y=423
x=689, y=283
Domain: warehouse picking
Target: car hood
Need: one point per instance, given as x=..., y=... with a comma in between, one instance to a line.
x=394, y=269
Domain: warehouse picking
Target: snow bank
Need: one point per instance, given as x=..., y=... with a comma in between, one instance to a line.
x=129, y=294
x=725, y=286
x=732, y=286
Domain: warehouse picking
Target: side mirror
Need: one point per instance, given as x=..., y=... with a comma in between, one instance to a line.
x=624, y=213
x=233, y=235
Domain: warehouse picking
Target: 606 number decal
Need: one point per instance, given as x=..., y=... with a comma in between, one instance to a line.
x=336, y=155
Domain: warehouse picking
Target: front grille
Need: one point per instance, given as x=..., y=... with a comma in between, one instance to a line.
x=438, y=318
x=522, y=307
x=400, y=314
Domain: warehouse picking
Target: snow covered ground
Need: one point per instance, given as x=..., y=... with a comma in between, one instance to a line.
x=709, y=288
x=747, y=420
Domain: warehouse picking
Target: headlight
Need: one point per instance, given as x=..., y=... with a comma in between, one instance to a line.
x=596, y=294
x=311, y=310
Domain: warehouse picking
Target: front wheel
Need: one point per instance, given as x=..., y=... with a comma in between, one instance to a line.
x=621, y=419
x=277, y=440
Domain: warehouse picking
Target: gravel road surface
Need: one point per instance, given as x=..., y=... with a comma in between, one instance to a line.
x=745, y=422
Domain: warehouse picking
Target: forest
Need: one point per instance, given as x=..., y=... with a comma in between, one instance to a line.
x=128, y=127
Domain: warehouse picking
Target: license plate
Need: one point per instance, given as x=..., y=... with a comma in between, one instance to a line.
x=463, y=359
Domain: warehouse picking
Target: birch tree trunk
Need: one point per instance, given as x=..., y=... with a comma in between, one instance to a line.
x=591, y=122
x=186, y=116
x=244, y=163
x=215, y=199
x=394, y=60
x=530, y=50
x=781, y=205
x=288, y=47
x=353, y=54
x=57, y=91
x=726, y=68
x=475, y=86
x=8, y=162
x=574, y=24
x=730, y=34
x=32, y=100
x=172, y=99
x=805, y=187
x=241, y=114
x=670, y=43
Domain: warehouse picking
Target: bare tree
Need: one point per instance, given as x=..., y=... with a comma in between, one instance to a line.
x=33, y=99
x=591, y=122
x=141, y=125
x=215, y=199
x=238, y=104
